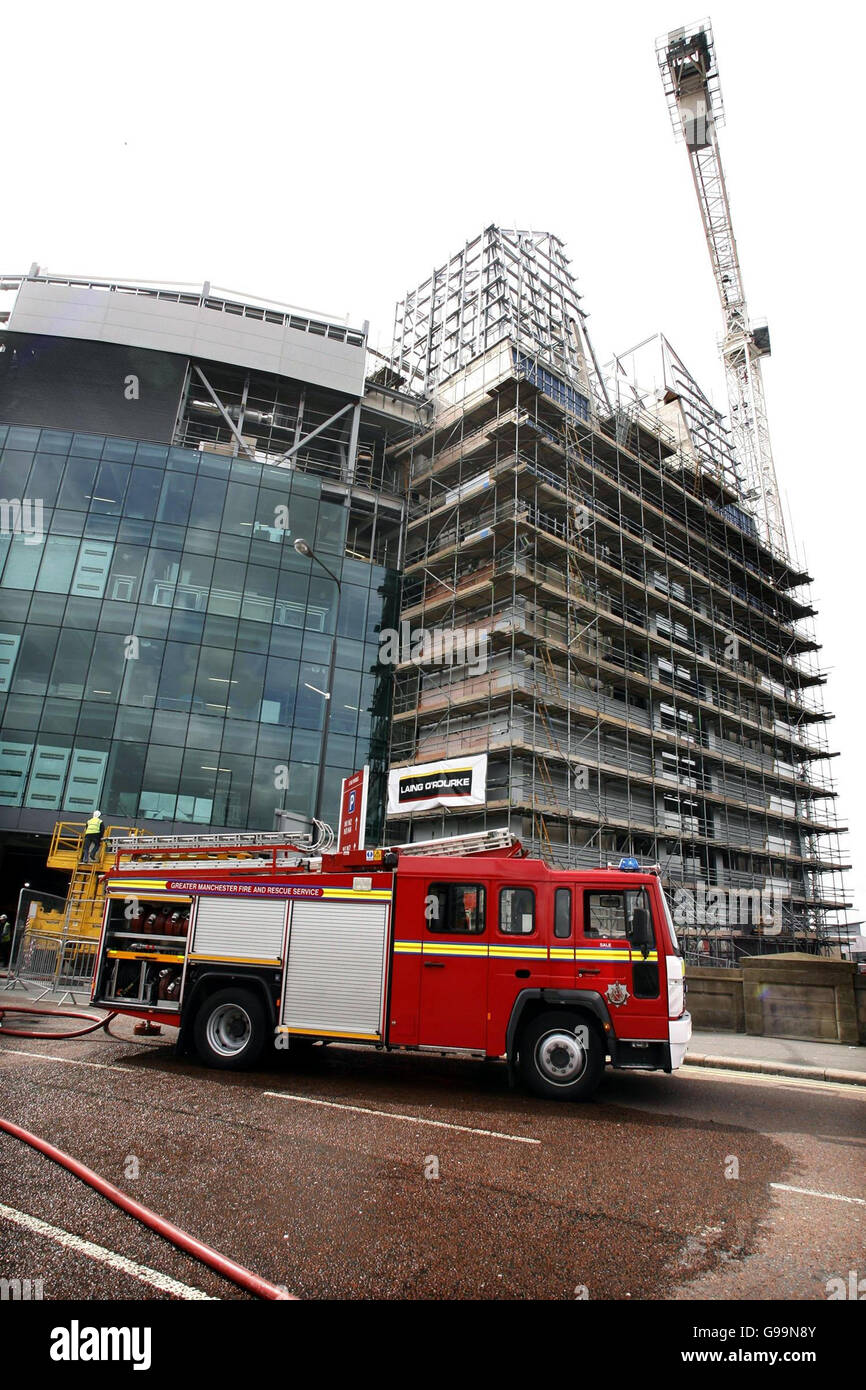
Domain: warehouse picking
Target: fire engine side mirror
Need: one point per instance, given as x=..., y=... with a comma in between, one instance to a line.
x=640, y=928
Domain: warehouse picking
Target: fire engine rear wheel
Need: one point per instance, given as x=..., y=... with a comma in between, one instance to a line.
x=230, y=1029
x=561, y=1056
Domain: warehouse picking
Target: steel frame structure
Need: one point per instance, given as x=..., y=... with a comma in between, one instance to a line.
x=504, y=285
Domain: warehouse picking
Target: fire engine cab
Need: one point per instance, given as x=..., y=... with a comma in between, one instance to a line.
x=460, y=945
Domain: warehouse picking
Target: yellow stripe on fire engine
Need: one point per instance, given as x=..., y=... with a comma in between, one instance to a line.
x=619, y=953
x=453, y=948
x=449, y=948
x=120, y=885
x=327, y=1033
x=237, y=960
x=380, y=894
x=533, y=952
x=163, y=897
x=500, y=951
x=140, y=955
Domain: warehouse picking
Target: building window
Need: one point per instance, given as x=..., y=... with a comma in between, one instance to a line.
x=58, y=564
x=9, y=644
x=23, y=563
x=91, y=572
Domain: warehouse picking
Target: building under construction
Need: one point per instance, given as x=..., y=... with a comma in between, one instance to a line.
x=642, y=675
x=616, y=551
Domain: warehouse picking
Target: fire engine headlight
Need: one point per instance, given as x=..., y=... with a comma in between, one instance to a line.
x=676, y=986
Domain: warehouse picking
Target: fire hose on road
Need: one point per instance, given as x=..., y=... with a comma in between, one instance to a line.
x=51, y=1013
x=224, y=1266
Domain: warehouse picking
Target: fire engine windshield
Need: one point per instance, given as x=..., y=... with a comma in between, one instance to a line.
x=670, y=921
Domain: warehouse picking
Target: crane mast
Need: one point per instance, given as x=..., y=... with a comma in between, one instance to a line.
x=690, y=75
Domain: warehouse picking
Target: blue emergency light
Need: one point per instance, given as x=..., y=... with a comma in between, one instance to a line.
x=629, y=866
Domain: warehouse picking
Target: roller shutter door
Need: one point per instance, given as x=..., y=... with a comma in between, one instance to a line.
x=239, y=930
x=335, y=972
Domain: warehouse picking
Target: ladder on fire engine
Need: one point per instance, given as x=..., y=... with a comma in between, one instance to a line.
x=260, y=847
x=253, y=848
x=478, y=842
x=242, y=840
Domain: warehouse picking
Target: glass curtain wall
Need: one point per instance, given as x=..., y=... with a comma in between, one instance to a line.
x=164, y=650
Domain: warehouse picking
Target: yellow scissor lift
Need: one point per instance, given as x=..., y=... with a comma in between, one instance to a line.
x=85, y=899
x=56, y=945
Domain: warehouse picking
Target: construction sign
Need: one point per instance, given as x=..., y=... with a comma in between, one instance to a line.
x=454, y=782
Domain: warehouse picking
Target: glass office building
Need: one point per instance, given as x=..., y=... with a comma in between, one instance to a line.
x=165, y=651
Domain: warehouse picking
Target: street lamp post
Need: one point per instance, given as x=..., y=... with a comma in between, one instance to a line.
x=304, y=548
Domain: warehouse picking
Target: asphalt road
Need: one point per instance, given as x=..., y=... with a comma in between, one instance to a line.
x=357, y=1175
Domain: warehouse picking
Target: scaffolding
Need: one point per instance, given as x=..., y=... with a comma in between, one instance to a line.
x=650, y=684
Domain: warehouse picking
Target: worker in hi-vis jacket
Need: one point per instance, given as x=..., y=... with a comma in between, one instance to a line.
x=93, y=832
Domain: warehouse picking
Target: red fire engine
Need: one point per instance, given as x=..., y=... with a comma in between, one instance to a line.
x=456, y=945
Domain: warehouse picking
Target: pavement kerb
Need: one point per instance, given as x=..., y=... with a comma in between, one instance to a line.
x=850, y=1078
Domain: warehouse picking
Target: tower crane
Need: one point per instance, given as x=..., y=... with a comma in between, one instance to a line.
x=690, y=74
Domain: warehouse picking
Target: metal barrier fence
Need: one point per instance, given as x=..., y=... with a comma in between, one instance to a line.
x=48, y=953
x=75, y=965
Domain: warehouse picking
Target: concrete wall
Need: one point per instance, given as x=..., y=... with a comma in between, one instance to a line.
x=784, y=996
x=860, y=1004
x=715, y=999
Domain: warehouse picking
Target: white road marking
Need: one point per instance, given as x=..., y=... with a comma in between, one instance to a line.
x=393, y=1115
x=810, y=1192
x=752, y=1078
x=66, y=1061
x=163, y=1282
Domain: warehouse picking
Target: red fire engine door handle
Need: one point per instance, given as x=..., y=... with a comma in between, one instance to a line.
x=589, y=972
x=434, y=965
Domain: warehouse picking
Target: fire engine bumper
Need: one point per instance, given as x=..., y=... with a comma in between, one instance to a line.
x=679, y=1035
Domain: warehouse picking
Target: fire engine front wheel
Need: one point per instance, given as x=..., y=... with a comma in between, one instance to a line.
x=561, y=1057
x=230, y=1030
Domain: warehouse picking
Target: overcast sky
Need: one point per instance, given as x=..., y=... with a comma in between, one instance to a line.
x=330, y=155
